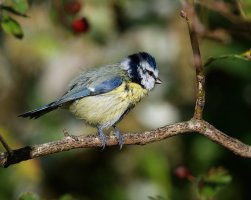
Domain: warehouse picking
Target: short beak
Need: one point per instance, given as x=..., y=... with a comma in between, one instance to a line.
x=158, y=81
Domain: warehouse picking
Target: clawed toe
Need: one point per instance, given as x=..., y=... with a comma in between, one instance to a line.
x=102, y=137
x=119, y=137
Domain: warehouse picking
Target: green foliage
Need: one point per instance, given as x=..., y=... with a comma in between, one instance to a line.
x=12, y=27
x=20, y=6
x=213, y=182
x=8, y=23
x=12, y=10
x=28, y=196
x=17, y=7
x=246, y=56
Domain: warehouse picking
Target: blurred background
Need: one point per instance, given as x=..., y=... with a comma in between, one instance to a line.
x=62, y=38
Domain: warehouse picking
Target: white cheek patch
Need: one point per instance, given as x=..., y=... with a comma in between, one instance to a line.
x=146, y=80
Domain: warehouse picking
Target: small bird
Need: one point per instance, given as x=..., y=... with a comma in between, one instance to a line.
x=103, y=96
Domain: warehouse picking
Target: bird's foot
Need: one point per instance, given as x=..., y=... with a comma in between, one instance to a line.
x=102, y=137
x=119, y=137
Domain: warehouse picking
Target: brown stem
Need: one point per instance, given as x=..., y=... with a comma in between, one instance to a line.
x=200, y=76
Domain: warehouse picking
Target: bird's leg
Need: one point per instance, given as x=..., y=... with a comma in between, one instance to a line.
x=102, y=137
x=119, y=137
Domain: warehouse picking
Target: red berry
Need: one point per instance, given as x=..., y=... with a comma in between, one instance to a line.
x=72, y=7
x=80, y=25
x=182, y=172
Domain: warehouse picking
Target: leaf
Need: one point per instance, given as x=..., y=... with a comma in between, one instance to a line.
x=20, y=6
x=213, y=182
x=28, y=196
x=246, y=56
x=12, y=10
x=12, y=27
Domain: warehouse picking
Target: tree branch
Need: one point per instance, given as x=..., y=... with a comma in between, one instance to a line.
x=68, y=143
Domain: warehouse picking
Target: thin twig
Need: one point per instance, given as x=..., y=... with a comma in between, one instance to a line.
x=5, y=145
x=200, y=76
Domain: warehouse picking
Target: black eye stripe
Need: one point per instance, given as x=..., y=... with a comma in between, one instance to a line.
x=150, y=73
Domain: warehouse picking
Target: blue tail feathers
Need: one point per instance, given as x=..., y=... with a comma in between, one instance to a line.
x=34, y=114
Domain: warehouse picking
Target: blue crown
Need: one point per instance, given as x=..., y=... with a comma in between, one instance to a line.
x=135, y=59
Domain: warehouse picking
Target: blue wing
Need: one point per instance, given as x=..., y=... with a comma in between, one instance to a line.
x=101, y=88
x=76, y=93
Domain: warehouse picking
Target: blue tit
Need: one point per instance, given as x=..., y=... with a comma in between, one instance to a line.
x=103, y=96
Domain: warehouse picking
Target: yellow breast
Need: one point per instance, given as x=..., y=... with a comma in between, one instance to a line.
x=106, y=109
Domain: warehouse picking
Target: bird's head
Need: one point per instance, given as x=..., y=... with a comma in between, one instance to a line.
x=142, y=69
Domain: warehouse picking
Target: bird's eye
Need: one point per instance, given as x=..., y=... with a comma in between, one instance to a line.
x=150, y=73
